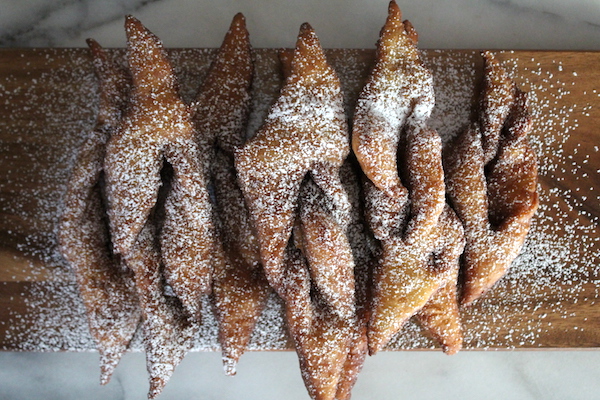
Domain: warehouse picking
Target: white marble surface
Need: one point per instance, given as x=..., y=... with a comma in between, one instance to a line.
x=275, y=376
x=505, y=24
x=514, y=24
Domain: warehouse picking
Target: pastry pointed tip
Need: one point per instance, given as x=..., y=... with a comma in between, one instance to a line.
x=393, y=27
x=411, y=32
x=92, y=43
x=307, y=35
x=376, y=341
x=452, y=341
x=452, y=348
x=394, y=10
x=135, y=29
x=238, y=24
x=238, y=34
x=108, y=363
x=493, y=67
x=97, y=52
x=469, y=295
x=488, y=56
x=309, y=57
x=131, y=23
x=105, y=376
x=239, y=19
x=156, y=387
x=229, y=365
x=306, y=27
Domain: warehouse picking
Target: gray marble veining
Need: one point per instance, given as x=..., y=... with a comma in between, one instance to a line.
x=507, y=24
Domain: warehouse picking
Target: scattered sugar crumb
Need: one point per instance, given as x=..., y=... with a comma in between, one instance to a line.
x=517, y=313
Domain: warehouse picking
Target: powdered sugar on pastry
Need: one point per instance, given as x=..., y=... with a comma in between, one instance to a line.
x=399, y=86
x=158, y=128
x=305, y=131
x=168, y=333
x=495, y=197
x=406, y=219
x=106, y=286
x=221, y=113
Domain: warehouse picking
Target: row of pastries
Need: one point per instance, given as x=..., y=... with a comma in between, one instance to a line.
x=356, y=225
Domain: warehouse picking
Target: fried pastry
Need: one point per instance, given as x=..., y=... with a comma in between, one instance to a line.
x=168, y=331
x=399, y=87
x=415, y=278
x=156, y=130
x=492, y=182
x=321, y=337
x=105, y=284
x=304, y=132
x=327, y=251
x=221, y=111
x=301, y=148
x=364, y=251
x=319, y=289
x=440, y=316
x=222, y=103
x=392, y=112
x=240, y=289
x=331, y=345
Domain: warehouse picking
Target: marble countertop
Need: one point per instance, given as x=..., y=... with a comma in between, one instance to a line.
x=458, y=24
x=473, y=24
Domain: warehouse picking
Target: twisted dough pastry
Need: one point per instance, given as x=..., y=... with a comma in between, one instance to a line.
x=240, y=289
x=294, y=162
x=305, y=132
x=331, y=347
x=399, y=87
x=319, y=299
x=492, y=181
x=105, y=284
x=221, y=111
x=168, y=331
x=440, y=316
x=322, y=339
x=415, y=263
x=158, y=128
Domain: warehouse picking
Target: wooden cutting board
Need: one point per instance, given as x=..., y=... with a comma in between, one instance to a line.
x=549, y=299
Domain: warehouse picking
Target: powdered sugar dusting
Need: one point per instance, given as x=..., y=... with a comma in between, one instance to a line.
x=559, y=260
x=542, y=294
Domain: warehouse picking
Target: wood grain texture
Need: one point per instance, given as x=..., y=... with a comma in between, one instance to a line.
x=548, y=300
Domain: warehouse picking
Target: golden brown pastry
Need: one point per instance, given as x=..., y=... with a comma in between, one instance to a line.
x=364, y=249
x=156, y=130
x=327, y=251
x=331, y=346
x=399, y=88
x=418, y=277
x=304, y=133
x=492, y=182
x=330, y=339
x=321, y=336
x=290, y=173
x=440, y=316
x=222, y=103
x=240, y=288
x=168, y=331
x=221, y=112
x=392, y=112
x=105, y=284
